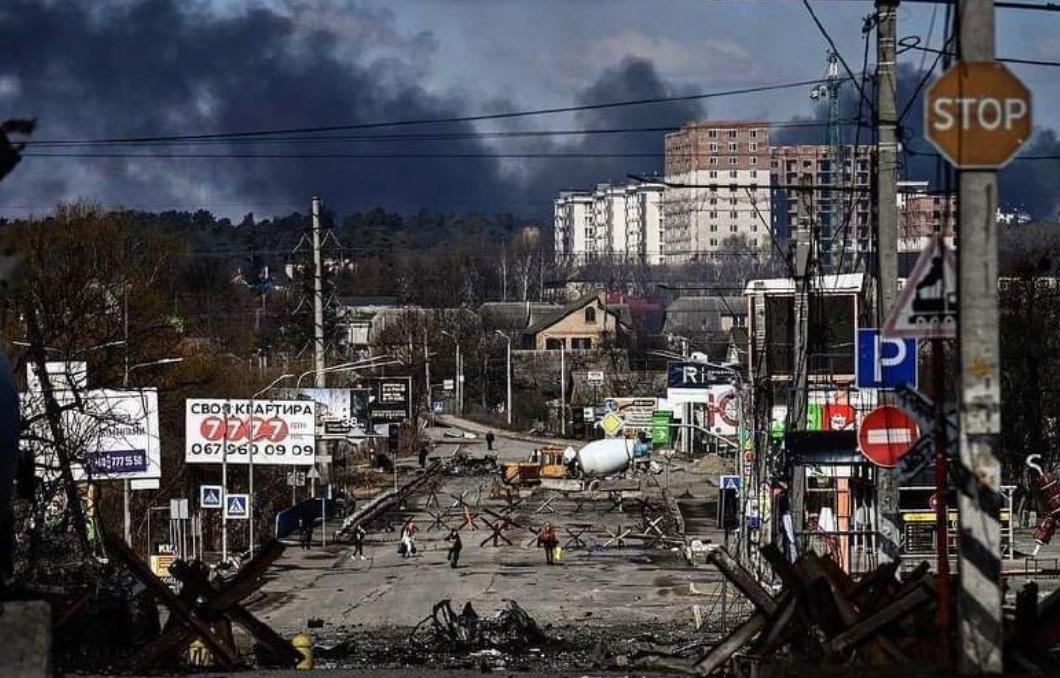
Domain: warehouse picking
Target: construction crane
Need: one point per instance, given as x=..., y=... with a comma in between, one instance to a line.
x=829, y=90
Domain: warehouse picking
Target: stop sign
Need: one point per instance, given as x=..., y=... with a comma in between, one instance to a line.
x=978, y=114
x=886, y=435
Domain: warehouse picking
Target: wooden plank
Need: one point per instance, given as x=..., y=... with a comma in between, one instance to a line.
x=743, y=580
x=902, y=606
x=716, y=657
x=282, y=651
x=115, y=546
x=779, y=625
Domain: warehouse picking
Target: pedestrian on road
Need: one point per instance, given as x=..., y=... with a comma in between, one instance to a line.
x=455, y=546
x=424, y=451
x=489, y=440
x=358, y=541
x=305, y=528
x=408, y=538
x=547, y=539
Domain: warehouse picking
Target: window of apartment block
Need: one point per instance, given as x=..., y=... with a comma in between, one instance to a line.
x=754, y=242
x=713, y=147
x=732, y=201
x=713, y=174
x=753, y=146
x=754, y=228
x=713, y=214
x=733, y=214
x=732, y=161
x=732, y=228
x=754, y=160
x=733, y=134
x=733, y=174
x=713, y=201
x=713, y=134
x=732, y=147
x=713, y=160
x=713, y=228
x=713, y=242
x=754, y=134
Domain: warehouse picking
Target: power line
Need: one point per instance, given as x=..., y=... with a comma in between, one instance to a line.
x=437, y=136
x=839, y=55
x=1006, y=60
x=456, y=119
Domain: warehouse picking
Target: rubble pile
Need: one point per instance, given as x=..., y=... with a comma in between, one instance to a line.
x=461, y=464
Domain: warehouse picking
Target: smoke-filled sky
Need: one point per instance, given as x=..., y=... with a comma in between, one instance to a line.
x=127, y=68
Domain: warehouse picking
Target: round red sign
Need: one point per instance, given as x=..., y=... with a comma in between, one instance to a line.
x=886, y=434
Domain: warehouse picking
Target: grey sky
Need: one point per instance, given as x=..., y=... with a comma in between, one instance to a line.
x=120, y=67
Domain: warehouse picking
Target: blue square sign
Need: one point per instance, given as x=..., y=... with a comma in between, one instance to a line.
x=884, y=362
x=237, y=506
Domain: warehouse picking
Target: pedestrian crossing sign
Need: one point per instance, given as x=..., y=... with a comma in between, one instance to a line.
x=237, y=506
x=210, y=496
x=730, y=483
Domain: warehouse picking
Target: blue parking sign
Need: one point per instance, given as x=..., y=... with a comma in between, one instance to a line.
x=885, y=362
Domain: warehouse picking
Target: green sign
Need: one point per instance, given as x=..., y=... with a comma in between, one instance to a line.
x=660, y=428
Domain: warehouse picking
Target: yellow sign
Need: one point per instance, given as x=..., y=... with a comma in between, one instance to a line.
x=612, y=424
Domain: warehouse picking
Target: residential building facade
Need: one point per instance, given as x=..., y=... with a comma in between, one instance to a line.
x=612, y=222
x=725, y=168
x=921, y=214
x=841, y=219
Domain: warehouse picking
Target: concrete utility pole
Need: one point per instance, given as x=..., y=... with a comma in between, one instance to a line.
x=980, y=600
x=886, y=239
x=563, y=387
x=797, y=415
x=318, y=298
x=509, y=374
x=427, y=379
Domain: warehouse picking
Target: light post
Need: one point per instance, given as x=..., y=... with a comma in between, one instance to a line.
x=459, y=374
x=125, y=481
x=508, y=373
x=250, y=459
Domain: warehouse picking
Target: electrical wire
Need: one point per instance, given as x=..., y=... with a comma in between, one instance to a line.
x=451, y=119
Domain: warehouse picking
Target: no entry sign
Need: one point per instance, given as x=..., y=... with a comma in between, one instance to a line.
x=886, y=434
x=978, y=114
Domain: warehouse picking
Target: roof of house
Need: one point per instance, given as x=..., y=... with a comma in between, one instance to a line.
x=701, y=314
x=562, y=312
x=514, y=315
x=362, y=301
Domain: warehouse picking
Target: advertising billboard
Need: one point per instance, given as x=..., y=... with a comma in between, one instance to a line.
x=392, y=400
x=342, y=413
x=117, y=431
x=280, y=432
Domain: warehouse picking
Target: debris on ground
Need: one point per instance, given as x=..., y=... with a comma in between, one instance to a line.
x=462, y=464
x=510, y=629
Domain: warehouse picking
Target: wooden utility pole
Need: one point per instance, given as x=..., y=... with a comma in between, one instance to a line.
x=886, y=240
x=980, y=598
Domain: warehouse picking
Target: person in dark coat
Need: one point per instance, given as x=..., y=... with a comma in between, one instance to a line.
x=424, y=451
x=305, y=529
x=358, y=541
x=489, y=440
x=455, y=546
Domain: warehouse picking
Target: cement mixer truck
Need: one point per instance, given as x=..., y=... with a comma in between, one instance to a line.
x=605, y=457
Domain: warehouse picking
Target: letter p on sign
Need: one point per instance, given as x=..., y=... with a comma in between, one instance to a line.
x=978, y=115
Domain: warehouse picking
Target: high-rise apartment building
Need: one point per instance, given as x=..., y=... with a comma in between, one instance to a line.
x=841, y=219
x=614, y=222
x=921, y=214
x=724, y=167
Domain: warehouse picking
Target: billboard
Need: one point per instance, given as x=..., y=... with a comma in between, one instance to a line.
x=392, y=400
x=117, y=430
x=281, y=432
x=341, y=412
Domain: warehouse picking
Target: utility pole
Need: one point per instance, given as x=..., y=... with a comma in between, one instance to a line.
x=318, y=298
x=427, y=378
x=886, y=239
x=563, y=387
x=797, y=414
x=978, y=501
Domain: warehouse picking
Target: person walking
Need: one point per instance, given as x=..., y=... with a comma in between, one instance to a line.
x=547, y=539
x=358, y=541
x=455, y=546
x=424, y=451
x=489, y=440
x=305, y=527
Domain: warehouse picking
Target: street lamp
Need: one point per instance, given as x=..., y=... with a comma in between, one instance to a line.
x=459, y=374
x=125, y=483
x=509, y=374
x=352, y=366
x=250, y=460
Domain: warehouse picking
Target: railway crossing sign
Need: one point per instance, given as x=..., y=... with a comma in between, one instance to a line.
x=927, y=305
x=886, y=434
x=978, y=114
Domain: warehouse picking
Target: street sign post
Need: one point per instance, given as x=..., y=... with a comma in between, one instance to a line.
x=594, y=378
x=237, y=506
x=978, y=114
x=927, y=305
x=211, y=496
x=886, y=434
x=884, y=362
x=612, y=424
